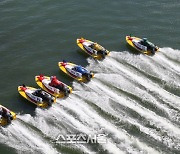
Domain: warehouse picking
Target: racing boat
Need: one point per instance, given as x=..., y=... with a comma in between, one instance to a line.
x=36, y=96
x=76, y=71
x=58, y=89
x=6, y=116
x=142, y=45
x=93, y=49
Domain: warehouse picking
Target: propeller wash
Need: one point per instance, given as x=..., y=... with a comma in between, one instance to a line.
x=134, y=100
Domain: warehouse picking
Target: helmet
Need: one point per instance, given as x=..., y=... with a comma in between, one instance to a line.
x=78, y=67
x=64, y=61
x=144, y=39
x=81, y=41
x=53, y=77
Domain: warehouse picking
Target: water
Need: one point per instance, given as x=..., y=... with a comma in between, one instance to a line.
x=133, y=99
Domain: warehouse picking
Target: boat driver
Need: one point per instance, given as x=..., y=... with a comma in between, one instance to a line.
x=56, y=83
x=4, y=113
x=145, y=42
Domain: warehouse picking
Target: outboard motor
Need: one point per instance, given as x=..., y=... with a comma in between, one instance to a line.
x=88, y=76
x=47, y=97
x=50, y=102
x=9, y=118
x=91, y=74
x=153, y=51
x=66, y=91
x=103, y=53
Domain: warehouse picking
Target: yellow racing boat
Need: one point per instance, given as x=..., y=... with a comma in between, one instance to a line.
x=93, y=49
x=142, y=45
x=59, y=90
x=76, y=71
x=36, y=96
x=6, y=116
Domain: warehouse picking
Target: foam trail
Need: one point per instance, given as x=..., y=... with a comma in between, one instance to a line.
x=52, y=133
x=147, y=66
x=24, y=139
x=171, y=53
x=159, y=122
x=167, y=97
x=87, y=110
x=108, y=109
x=132, y=89
x=43, y=121
x=134, y=106
x=173, y=66
x=85, y=129
x=106, y=66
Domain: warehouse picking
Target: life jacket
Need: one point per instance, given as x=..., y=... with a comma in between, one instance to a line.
x=81, y=69
x=81, y=40
x=55, y=82
x=23, y=88
x=129, y=38
x=63, y=64
x=40, y=78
